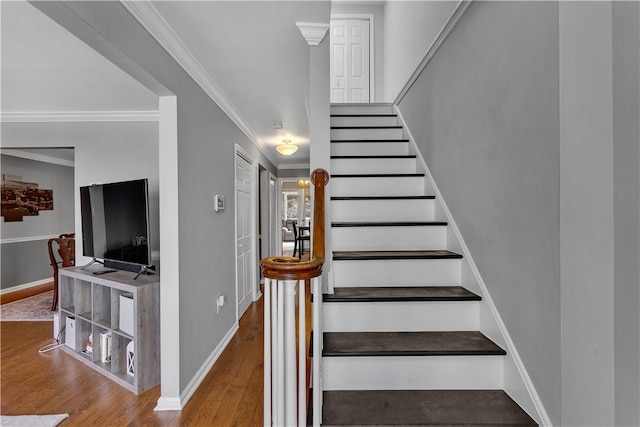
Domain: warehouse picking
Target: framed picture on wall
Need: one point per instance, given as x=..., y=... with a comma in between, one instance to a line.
x=21, y=198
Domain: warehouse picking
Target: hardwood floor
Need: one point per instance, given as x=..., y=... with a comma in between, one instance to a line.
x=25, y=293
x=50, y=383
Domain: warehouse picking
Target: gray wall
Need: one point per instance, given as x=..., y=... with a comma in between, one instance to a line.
x=23, y=259
x=485, y=117
x=626, y=199
x=528, y=118
x=205, y=162
x=409, y=29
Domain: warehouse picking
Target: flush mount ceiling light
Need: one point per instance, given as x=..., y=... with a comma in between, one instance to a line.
x=287, y=148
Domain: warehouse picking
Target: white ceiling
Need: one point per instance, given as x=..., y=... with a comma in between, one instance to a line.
x=253, y=51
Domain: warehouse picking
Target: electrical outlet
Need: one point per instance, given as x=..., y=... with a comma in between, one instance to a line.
x=219, y=303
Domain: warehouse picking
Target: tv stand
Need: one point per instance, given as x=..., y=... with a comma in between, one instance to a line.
x=93, y=261
x=145, y=270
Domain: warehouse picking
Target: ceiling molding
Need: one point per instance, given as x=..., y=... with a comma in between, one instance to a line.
x=37, y=157
x=157, y=26
x=79, y=116
x=313, y=32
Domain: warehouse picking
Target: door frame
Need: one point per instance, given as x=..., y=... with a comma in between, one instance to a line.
x=279, y=206
x=255, y=285
x=372, y=62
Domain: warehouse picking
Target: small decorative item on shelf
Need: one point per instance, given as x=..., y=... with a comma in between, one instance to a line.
x=105, y=347
x=130, y=358
x=88, y=350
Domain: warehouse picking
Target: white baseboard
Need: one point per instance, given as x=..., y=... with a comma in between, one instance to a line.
x=168, y=404
x=519, y=383
x=207, y=365
x=26, y=286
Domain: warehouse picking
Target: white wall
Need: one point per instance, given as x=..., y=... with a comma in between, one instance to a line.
x=409, y=29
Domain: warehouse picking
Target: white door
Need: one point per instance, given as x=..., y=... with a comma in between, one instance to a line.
x=350, y=59
x=244, y=234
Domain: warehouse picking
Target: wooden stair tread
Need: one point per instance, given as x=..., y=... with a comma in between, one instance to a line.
x=373, y=255
x=379, y=156
x=383, y=197
x=364, y=115
x=390, y=224
x=371, y=140
x=377, y=175
x=431, y=343
x=368, y=127
x=392, y=293
x=422, y=408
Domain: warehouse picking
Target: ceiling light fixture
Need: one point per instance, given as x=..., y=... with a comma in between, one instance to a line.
x=287, y=148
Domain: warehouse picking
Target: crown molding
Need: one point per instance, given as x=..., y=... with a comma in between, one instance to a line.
x=78, y=116
x=37, y=157
x=149, y=17
x=313, y=32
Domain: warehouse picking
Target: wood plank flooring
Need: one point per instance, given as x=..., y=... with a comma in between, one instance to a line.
x=33, y=383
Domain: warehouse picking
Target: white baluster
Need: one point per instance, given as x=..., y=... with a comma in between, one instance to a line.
x=280, y=420
x=317, y=351
x=267, y=352
x=302, y=360
x=290, y=353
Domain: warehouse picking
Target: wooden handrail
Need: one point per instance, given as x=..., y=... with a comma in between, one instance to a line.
x=291, y=268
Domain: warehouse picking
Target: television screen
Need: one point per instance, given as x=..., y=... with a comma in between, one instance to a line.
x=115, y=222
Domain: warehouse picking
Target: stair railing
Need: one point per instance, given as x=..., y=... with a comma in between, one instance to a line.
x=285, y=391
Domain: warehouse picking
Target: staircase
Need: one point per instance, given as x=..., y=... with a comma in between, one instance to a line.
x=401, y=339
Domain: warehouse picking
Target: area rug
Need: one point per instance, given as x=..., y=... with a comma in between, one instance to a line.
x=35, y=308
x=32, y=420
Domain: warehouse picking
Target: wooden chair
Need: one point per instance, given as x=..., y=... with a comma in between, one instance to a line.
x=299, y=239
x=66, y=257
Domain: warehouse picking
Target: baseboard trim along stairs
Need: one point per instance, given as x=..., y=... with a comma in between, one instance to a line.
x=401, y=341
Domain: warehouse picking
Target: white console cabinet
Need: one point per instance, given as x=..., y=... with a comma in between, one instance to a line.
x=92, y=303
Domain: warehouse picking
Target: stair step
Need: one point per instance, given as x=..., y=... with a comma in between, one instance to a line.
x=390, y=224
x=380, y=185
x=370, y=148
x=390, y=255
x=368, y=127
x=361, y=108
x=378, y=175
x=408, y=293
x=402, y=156
x=340, y=141
x=422, y=408
x=382, y=208
x=370, y=132
x=364, y=115
x=430, y=343
x=383, y=198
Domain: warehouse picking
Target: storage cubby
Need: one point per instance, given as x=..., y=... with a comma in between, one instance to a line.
x=96, y=305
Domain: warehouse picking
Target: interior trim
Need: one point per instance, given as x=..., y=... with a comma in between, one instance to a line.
x=78, y=116
x=157, y=26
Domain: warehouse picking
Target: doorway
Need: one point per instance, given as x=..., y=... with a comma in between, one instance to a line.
x=295, y=209
x=245, y=198
x=351, y=56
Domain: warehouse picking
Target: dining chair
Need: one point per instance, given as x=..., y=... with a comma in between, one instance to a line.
x=65, y=248
x=299, y=239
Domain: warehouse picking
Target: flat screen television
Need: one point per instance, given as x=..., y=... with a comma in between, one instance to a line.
x=115, y=224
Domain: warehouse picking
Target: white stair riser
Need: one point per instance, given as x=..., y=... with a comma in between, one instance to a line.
x=403, y=272
x=389, y=238
x=390, y=316
x=413, y=373
x=369, y=148
x=378, y=186
x=384, y=165
x=365, y=121
x=367, y=133
x=361, y=109
x=383, y=210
